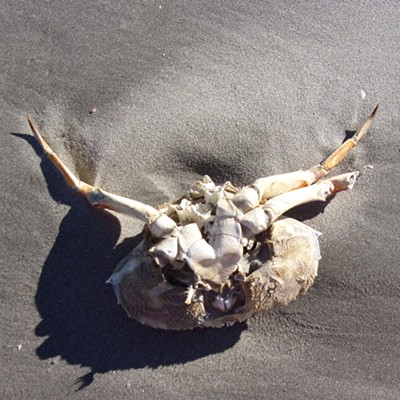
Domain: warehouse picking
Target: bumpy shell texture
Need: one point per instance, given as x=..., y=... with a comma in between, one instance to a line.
x=222, y=262
x=219, y=254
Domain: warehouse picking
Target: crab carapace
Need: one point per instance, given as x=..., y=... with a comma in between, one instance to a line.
x=219, y=254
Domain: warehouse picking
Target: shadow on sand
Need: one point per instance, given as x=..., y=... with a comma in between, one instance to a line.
x=81, y=321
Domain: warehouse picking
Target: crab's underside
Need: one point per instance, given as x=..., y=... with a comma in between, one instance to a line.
x=219, y=254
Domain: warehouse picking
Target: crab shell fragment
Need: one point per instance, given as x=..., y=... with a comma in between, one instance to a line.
x=219, y=254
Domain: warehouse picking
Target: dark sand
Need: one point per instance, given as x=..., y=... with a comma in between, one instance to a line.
x=236, y=90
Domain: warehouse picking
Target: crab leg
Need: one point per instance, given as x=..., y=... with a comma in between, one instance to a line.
x=320, y=191
x=265, y=188
x=96, y=196
x=334, y=159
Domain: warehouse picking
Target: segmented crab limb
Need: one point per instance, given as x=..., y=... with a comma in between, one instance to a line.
x=96, y=196
x=100, y=198
x=334, y=159
x=278, y=184
x=263, y=189
x=266, y=188
x=70, y=179
x=320, y=191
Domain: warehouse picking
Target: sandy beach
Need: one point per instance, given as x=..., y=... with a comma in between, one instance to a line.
x=143, y=99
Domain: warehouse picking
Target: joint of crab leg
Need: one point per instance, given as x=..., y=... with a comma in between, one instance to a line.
x=100, y=198
x=263, y=189
x=247, y=198
x=161, y=225
x=96, y=196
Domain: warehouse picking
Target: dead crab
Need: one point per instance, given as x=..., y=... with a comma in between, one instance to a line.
x=219, y=254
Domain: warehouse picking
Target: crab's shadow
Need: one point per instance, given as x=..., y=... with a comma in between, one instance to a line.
x=81, y=321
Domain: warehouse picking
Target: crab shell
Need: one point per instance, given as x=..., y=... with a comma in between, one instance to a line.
x=219, y=254
x=160, y=285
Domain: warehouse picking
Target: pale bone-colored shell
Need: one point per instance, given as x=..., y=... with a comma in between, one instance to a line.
x=219, y=254
x=213, y=268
